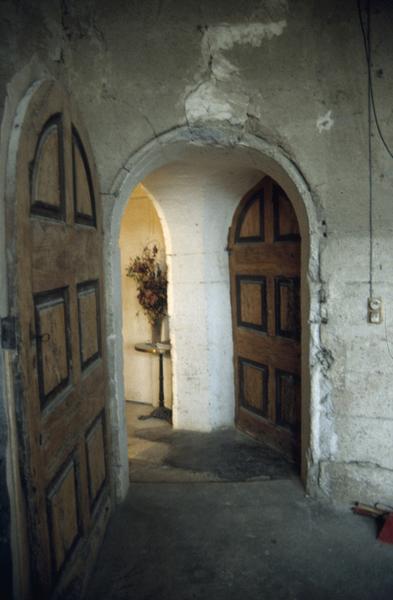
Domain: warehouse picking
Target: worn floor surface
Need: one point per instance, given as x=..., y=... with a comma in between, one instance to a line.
x=158, y=453
x=219, y=517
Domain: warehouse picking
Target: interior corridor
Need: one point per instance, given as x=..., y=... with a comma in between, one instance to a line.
x=220, y=516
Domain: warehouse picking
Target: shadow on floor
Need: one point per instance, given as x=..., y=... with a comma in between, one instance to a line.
x=158, y=453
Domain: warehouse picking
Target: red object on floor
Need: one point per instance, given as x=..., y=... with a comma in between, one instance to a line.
x=386, y=533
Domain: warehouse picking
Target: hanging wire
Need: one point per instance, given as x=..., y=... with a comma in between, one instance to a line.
x=387, y=337
x=366, y=31
x=370, y=153
x=367, y=48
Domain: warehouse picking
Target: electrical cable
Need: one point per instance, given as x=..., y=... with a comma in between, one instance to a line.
x=371, y=104
x=367, y=48
x=387, y=338
x=370, y=153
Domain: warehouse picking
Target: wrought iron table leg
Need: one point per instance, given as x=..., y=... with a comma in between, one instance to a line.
x=161, y=412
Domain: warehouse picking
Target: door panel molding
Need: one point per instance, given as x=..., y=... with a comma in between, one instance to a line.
x=95, y=446
x=46, y=170
x=286, y=228
x=52, y=335
x=83, y=190
x=89, y=322
x=250, y=226
x=265, y=299
x=287, y=306
x=251, y=302
x=64, y=515
x=287, y=399
x=253, y=385
x=56, y=397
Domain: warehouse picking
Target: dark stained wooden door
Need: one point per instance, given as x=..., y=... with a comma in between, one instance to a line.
x=264, y=258
x=57, y=298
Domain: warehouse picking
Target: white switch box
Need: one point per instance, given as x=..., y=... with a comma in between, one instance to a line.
x=375, y=310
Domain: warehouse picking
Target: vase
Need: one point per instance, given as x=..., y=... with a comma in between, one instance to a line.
x=156, y=331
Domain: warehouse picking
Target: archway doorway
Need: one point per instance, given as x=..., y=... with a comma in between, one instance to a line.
x=216, y=148
x=146, y=374
x=264, y=258
x=198, y=196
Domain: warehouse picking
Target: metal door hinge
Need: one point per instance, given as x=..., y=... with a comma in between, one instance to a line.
x=8, y=333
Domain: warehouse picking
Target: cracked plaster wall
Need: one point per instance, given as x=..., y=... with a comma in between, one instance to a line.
x=292, y=73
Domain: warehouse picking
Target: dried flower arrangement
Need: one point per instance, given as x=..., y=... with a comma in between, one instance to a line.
x=151, y=283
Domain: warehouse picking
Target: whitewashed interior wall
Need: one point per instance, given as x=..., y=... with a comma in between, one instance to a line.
x=198, y=201
x=140, y=226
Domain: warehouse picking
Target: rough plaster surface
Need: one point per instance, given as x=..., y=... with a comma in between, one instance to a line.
x=133, y=69
x=212, y=99
x=325, y=122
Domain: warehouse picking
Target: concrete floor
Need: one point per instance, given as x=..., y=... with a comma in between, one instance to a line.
x=219, y=516
x=157, y=453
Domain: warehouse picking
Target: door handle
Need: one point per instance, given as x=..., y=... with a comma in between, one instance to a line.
x=44, y=337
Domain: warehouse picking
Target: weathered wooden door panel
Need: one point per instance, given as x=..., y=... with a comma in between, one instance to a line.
x=264, y=245
x=61, y=366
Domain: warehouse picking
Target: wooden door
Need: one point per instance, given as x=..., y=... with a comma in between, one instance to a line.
x=264, y=251
x=61, y=378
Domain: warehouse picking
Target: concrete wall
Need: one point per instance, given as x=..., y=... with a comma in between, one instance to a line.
x=140, y=226
x=293, y=75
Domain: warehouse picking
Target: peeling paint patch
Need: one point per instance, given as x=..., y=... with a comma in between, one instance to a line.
x=225, y=36
x=208, y=101
x=221, y=96
x=325, y=122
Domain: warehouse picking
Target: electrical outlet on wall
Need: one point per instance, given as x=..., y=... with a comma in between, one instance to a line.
x=375, y=310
